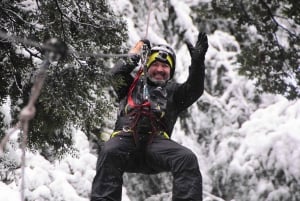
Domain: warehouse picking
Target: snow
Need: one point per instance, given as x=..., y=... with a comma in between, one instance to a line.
x=67, y=179
x=272, y=136
x=28, y=5
x=184, y=20
x=266, y=138
x=8, y=194
x=5, y=110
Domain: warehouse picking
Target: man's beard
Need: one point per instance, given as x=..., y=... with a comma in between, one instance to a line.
x=157, y=82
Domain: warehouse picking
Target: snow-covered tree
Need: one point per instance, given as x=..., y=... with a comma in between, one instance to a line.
x=73, y=92
x=246, y=142
x=268, y=33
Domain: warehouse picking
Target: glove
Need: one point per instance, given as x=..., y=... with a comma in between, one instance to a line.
x=135, y=58
x=198, y=51
x=139, y=45
x=147, y=43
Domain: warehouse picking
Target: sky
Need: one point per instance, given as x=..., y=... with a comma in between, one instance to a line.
x=268, y=138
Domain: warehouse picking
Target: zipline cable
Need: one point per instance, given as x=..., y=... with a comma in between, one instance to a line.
x=11, y=38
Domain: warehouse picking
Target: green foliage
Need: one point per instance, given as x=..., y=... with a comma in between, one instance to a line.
x=74, y=91
x=269, y=35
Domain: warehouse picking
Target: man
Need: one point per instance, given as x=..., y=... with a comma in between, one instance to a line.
x=148, y=109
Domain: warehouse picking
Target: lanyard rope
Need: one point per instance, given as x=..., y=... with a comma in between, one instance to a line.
x=26, y=114
x=145, y=54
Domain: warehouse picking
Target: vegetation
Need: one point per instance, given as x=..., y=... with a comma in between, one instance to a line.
x=268, y=32
x=73, y=92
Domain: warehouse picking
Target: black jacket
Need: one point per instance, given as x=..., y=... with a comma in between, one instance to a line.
x=166, y=101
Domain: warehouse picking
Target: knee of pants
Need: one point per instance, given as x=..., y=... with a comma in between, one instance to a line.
x=186, y=161
x=109, y=155
x=112, y=147
x=108, y=150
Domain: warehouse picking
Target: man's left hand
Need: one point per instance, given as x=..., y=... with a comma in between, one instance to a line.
x=199, y=50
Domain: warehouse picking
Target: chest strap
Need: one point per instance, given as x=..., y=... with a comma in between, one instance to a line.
x=139, y=110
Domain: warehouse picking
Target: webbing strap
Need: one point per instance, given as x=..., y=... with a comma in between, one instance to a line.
x=138, y=109
x=162, y=133
x=131, y=88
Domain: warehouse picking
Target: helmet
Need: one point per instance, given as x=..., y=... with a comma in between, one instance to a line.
x=163, y=53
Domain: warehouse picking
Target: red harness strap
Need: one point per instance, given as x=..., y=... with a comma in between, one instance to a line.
x=139, y=110
x=132, y=86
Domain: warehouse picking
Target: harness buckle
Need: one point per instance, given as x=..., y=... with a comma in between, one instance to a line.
x=126, y=129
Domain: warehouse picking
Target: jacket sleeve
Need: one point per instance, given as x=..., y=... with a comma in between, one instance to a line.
x=187, y=93
x=120, y=77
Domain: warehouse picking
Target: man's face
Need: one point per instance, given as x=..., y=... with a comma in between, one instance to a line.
x=159, y=71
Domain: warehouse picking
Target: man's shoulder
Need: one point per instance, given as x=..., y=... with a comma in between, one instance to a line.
x=172, y=84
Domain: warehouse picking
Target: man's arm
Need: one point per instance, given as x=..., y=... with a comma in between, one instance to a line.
x=188, y=92
x=120, y=76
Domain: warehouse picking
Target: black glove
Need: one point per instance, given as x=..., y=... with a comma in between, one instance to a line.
x=134, y=59
x=198, y=51
x=135, y=51
x=147, y=43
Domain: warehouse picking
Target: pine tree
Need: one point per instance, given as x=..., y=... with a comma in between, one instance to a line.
x=73, y=94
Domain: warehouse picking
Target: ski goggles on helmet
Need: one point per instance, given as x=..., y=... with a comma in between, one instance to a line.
x=162, y=57
x=162, y=53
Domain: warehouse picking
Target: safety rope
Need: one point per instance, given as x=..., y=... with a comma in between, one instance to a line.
x=32, y=43
x=148, y=18
x=27, y=114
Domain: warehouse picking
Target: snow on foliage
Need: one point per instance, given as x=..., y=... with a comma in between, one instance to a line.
x=247, y=144
x=67, y=179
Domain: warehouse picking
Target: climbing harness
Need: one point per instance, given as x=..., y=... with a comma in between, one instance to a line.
x=138, y=109
x=143, y=109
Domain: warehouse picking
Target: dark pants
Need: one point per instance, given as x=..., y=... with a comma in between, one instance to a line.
x=120, y=154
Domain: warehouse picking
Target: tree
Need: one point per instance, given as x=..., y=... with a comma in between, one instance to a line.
x=269, y=35
x=74, y=91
